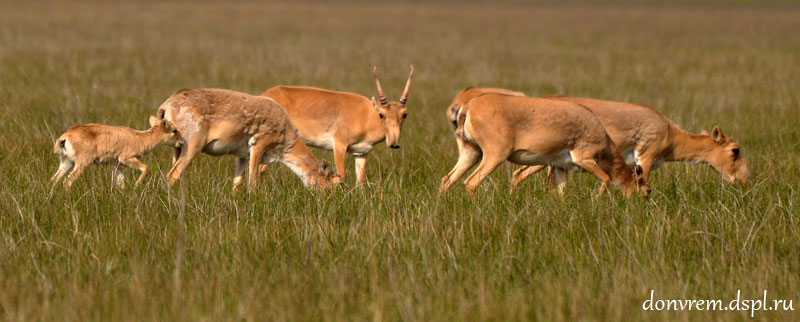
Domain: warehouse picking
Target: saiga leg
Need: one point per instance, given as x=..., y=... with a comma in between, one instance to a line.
x=76, y=172
x=591, y=166
x=64, y=166
x=118, y=178
x=460, y=142
x=522, y=173
x=263, y=168
x=557, y=179
x=133, y=162
x=466, y=160
x=175, y=153
x=259, y=145
x=339, y=155
x=361, y=169
x=238, y=176
x=193, y=146
x=488, y=163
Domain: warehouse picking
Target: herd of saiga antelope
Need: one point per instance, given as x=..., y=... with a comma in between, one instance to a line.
x=619, y=143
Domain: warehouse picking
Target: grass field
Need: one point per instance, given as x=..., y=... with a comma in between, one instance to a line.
x=395, y=250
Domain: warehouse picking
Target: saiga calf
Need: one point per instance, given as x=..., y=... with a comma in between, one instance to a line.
x=83, y=145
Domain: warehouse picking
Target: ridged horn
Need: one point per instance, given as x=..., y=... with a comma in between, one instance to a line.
x=408, y=85
x=381, y=96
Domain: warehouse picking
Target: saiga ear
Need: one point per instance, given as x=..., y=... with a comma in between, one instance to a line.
x=704, y=132
x=154, y=121
x=716, y=134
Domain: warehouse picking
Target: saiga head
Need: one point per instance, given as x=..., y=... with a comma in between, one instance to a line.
x=170, y=135
x=392, y=114
x=325, y=176
x=638, y=185
x=726, y=158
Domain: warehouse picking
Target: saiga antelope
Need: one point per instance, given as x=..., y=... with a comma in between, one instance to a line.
x=344, y=122
x=647, y=138
x=254, y=128
x=454, y=110
x=535, y=131
x=83, y=145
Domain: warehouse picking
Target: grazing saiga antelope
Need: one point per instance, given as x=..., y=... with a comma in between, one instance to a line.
x=647, y=138
x=536, y=131
x=344, y=122
x=83, y=145
x=254, y=128
x=454, y=111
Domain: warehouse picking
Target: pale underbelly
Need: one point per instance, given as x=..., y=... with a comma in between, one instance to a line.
x=325, y=142
x=561, y=160
x=359, y=148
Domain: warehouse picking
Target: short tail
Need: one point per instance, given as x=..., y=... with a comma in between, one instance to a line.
x=461, y=120
x=160, y=112
x=172, y=102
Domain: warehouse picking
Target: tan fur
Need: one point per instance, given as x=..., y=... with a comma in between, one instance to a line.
x=467, y=95
x=654, y=138
x=456, y=110
x=254, y=128
x=537, y=131
x=342, y=122
x=83, y=145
